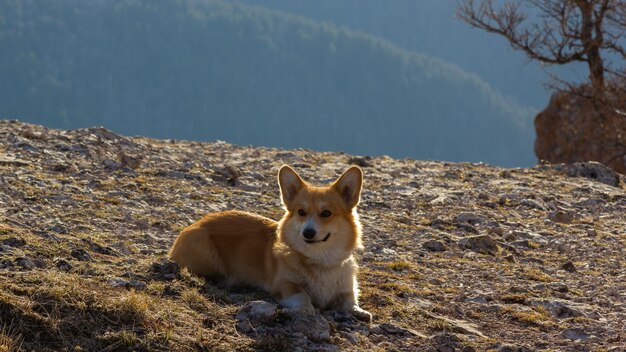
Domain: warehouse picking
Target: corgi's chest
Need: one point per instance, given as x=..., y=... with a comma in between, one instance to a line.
x=325, y=285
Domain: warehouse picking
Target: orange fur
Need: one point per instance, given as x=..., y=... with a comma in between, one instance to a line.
x=304, y=260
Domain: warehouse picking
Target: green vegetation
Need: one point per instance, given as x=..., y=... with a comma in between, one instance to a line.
x=208, y=69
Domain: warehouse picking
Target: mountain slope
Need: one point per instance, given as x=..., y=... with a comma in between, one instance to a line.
x=430, y=27
x=206, y=69
x=456, y=256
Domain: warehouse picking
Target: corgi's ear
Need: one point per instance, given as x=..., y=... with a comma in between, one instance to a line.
x=290, y=184
x=349, y=186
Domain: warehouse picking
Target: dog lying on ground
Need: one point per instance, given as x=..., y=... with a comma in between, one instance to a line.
x=305, y=260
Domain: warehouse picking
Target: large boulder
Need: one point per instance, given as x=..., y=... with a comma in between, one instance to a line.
x=574, y=128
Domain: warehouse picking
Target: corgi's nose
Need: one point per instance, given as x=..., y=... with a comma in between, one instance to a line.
x=308, y=233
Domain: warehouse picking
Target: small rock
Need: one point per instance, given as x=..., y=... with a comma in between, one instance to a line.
x=112, y=164
x=560, y=308
x=137, y=285
x=65, y=168
x=575, y=334
x=533, y=204
x=388, y=253
x=495, y=230
x=129, y=161
x=532, y=260
x=13, y=161
x=134, y=284
x=165, y=269
x=396, y=330
x=73, y=148
x=25, y=263
x=362, y=161
x=562, y=216
x=482, y=299
x=481, y=244
x=446, y=342
x=525, y=243
x=231, y=173
x=591, y=170
x=558, y=287
x=81, y=255
x=14, y=242
x=6, y=249
x=569, y=266
x=58, y=228
x=512, y=348
x=98, y=248
x=510, y=237
x=563, y=248
x=104, y=133
x=315, y=327
x=169, y=290
x=39, y=263
x=434, y=246
x=118, y=282
x=63, y=265
x=376, y=338
x=469, y=219
x=352, y=338
x=6, y=264
x=258, y=311
x=323, y=347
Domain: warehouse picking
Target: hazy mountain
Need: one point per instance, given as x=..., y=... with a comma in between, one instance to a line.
x=208, y=69
x=431, y=27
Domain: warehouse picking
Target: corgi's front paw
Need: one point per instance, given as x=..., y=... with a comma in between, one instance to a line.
x=300, y=301
x=361, y=314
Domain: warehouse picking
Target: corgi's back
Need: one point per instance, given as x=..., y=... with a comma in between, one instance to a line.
x=232, y=244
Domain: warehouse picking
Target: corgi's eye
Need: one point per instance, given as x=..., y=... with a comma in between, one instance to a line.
x=301, y=212
x=325, y=213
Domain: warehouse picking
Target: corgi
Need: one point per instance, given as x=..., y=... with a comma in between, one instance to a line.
x=305, y=260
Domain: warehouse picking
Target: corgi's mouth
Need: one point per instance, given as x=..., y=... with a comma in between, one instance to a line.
x=323, y=240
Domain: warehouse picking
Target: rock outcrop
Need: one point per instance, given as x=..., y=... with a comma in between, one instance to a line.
x=574, y=129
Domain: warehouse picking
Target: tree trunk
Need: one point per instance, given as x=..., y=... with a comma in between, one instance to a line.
x=592, y=41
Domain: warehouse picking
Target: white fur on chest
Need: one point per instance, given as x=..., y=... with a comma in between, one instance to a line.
x=325, y=284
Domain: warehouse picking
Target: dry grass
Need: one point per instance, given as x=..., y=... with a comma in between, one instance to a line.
x=536, y=275
x=50, y=309
x=9, y=340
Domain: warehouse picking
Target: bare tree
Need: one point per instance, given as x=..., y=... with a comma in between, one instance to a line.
x=558, y=31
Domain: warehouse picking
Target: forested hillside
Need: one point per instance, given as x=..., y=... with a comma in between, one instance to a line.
x=431, y=27
x=207, y=69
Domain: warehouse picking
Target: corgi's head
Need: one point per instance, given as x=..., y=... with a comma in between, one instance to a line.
x=321, y=223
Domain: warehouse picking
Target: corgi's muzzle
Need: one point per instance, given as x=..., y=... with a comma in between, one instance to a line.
x=309, y=241
x=309, y=233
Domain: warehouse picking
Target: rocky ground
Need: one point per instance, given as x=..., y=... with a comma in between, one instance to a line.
x=458, y=257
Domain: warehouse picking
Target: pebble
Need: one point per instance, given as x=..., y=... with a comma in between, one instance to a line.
x=569, y=266
x=14, y=242
x=575, y=334
x=484, y=244
x=165, y=270
x=63, y=265
x=434, y=246
x=259, y=311
x=25, y=263
x=81, y=255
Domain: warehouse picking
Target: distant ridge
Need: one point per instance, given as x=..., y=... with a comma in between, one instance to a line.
x=208, y=69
